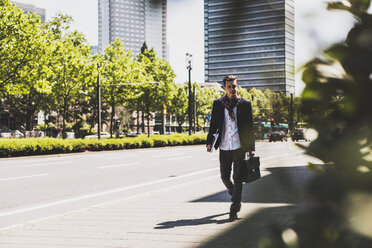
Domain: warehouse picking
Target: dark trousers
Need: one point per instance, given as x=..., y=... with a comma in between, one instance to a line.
x=227, y=159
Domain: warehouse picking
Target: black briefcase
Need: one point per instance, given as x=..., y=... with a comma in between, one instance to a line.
x=251, y=169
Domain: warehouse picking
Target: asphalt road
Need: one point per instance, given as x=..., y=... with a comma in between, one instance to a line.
x=34, y=188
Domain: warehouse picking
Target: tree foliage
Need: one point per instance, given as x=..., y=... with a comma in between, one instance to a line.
x=158, y=90
x=68, y=68
x=50, y=68
x=21, y=42
x=337, y=101
x=119, y=70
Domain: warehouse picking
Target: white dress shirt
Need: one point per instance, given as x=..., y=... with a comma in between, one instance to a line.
x=230, y=135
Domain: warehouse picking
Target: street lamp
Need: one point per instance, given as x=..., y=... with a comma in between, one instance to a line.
x=99, y=102
x=291, y=114
x=189, y=67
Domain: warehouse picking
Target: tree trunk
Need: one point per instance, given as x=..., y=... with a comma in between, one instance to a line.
x=197, y=123
x=148, y=122
x=137, y=121
x=64, y=135
x=29, y=121
x=143, y=121
x=29, y=115
x=112, y=117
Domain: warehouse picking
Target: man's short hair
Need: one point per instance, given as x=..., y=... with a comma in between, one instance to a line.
x=229, y=78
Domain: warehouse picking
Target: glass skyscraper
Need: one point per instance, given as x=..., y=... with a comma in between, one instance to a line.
x=134, y=22
x=252, y=39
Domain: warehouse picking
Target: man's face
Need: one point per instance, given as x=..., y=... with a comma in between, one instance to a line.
x=231, y=88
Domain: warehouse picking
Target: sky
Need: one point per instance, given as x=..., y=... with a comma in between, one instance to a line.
x=315, y=29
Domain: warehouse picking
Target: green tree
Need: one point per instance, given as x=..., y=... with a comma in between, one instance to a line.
x=70, y=66
x=21, y=41
x=204, y=101
x=159, y=90
x=261, y=105
x=179, y=106
x=23, y=52
x=337, y=101
x=119, y=70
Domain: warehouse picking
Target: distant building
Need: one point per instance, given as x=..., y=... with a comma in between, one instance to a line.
x=134, y=22
x=31, y=9
x=252, y=39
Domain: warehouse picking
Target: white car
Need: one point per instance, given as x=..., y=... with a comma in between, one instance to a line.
x=95, y=136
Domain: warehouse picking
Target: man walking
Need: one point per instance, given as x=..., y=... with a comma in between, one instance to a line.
x=232, y=119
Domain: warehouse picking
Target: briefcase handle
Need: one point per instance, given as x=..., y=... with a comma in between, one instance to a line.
x=248, y=156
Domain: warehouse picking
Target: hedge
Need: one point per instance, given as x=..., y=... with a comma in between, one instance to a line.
x=40, y=146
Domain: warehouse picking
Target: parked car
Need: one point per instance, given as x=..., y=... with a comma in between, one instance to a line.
x=298, y=134
x=277, y=135
x=95, y=136
x=12, y=134
x=155, y=132
x=131, y=134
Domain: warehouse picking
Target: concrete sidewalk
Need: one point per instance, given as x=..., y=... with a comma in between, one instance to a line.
x=191, y=214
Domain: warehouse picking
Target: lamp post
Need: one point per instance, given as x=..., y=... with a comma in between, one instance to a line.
x=194, y=102
x=291, y=114
x=99, y=102
x=189, y=67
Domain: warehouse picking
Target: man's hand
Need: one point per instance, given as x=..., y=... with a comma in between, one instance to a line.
x=209, y=148
x=251, y=153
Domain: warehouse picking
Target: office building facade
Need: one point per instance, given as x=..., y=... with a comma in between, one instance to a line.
x=32, y=9
x=134, y=22
x=252, y=39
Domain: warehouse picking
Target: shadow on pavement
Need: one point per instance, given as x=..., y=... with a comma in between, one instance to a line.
x=248, y=232
x=282, y=185
x=191, y=222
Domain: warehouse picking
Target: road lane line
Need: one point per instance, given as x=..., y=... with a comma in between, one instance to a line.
x=46, y=164
x=264, y=159
x=107, y=203
x=24, y=177
x=178, y=158
x=74, y=199
x=168, y=154
x=119, y=157
x=281, y=155
x=34, y=160
x=117, y=165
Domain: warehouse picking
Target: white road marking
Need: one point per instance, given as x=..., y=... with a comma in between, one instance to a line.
x=24, y=177
x=119, y=157
x=264, y=159
x=49, y=163
x=117, y=165
x=33, y=160
x=108, y=203
x=281, y=155
x=178, y=158
x=168, y=154
x=74, y=199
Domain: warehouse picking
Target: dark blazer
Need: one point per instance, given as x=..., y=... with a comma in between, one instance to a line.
x=245, y=124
